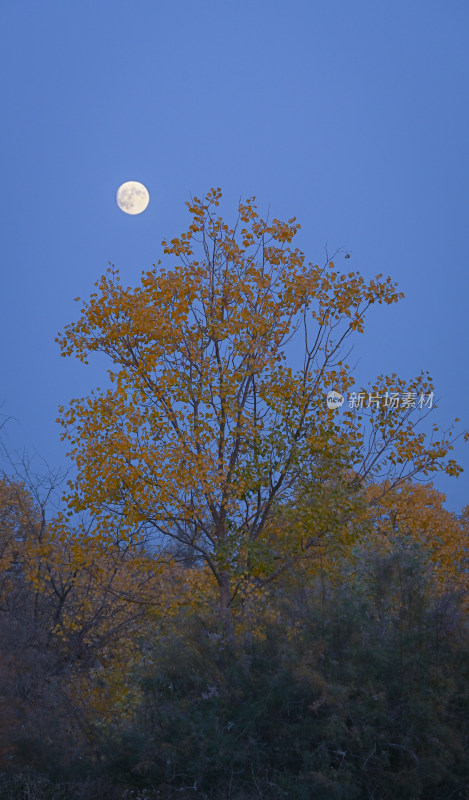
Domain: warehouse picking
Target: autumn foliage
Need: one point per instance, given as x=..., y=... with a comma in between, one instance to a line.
x=207, y=429
x=244, y=593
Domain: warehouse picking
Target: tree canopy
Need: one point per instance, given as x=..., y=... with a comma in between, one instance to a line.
x=216, y=418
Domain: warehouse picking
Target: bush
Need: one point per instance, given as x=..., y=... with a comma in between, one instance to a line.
x=361, y=694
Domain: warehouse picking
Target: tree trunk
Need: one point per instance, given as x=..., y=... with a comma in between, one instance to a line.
x=225, y=607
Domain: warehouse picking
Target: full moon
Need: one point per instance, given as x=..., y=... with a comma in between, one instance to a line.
x=132, y=197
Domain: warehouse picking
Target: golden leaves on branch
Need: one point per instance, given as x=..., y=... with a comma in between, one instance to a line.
x=205, y=424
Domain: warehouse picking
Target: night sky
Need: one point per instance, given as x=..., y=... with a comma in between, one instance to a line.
x=351, y=116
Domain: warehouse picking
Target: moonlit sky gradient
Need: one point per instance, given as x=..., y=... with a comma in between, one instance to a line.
x=351, y=116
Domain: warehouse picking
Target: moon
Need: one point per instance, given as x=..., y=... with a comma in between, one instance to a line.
x=132, y=197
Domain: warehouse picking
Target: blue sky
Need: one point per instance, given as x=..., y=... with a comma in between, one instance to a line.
x=353, y=117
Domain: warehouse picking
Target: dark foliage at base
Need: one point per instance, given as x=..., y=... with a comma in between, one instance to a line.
x=362, y=693
x=359, y=692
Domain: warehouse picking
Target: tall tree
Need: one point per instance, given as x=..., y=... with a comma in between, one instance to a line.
x=206, y=427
